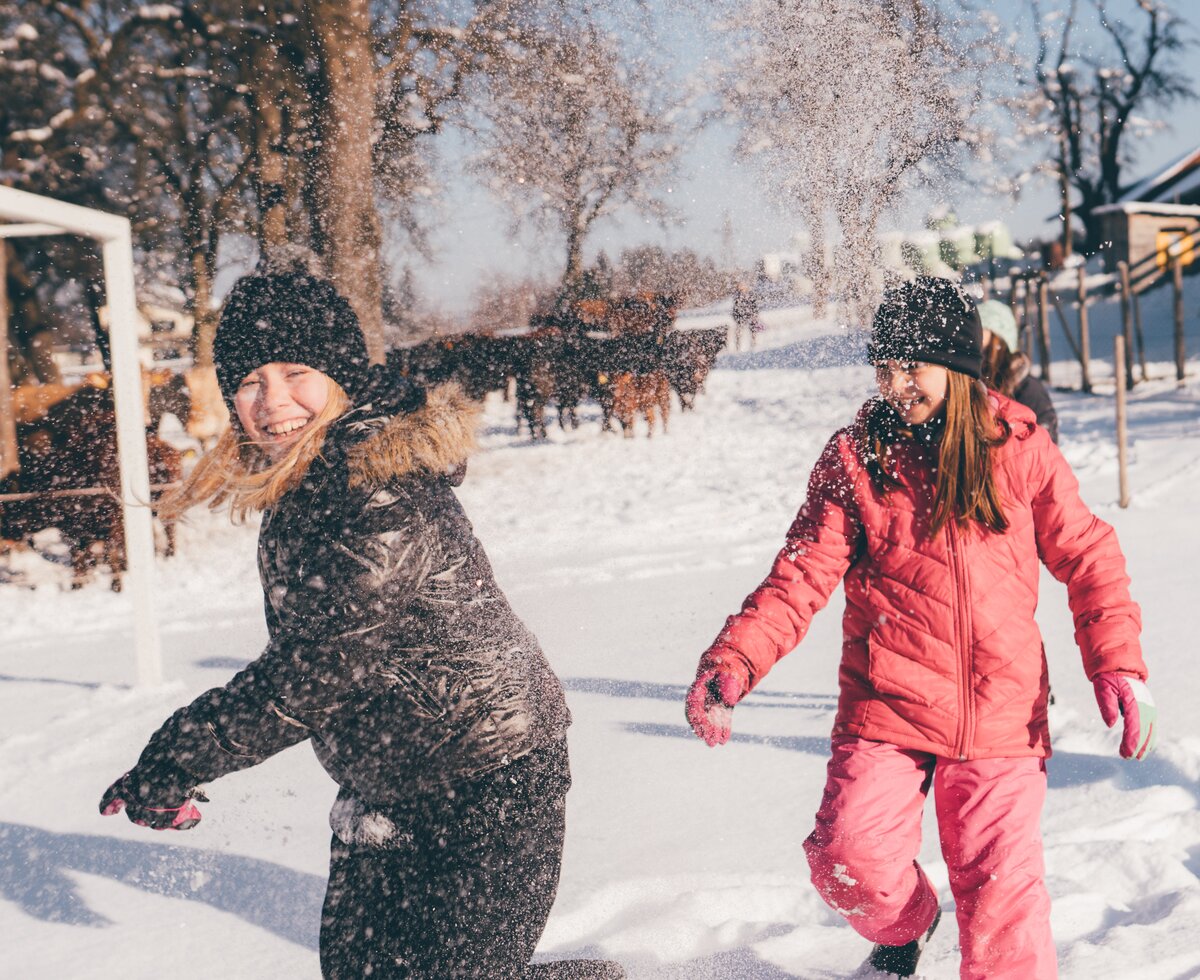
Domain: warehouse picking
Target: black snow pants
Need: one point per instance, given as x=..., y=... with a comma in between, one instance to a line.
x=466, y=890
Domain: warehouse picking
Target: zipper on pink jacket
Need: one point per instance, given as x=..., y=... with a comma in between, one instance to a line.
x=962, y=611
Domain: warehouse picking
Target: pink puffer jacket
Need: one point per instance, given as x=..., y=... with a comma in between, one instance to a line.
x=940, y=651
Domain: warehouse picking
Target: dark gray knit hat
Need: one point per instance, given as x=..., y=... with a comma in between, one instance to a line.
x=931, y=320
x=294, y=318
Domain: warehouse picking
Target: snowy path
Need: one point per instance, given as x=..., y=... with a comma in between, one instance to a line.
x=624, y=556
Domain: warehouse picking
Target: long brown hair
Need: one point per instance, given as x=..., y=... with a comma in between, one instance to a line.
x=1001, y=366
x=238, y=472
x=965, y=486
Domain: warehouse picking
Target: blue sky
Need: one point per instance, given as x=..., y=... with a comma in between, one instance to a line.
x=473, y=237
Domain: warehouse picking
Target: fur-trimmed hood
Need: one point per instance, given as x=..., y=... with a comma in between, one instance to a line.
x=1019, y=368
x=436, y=438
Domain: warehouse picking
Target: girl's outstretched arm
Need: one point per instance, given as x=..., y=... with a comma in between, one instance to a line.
x=320, y=655
x=822, y=542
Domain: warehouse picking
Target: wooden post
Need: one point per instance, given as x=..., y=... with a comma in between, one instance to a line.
x=1122, y=455
x=1027, y=319
x=1180, y=352
x=1043, y=303
x=1127, y=321
x=1141, y=338
x=8, y=423
x=1085, y=347
x=1066, y=327
x=985, y=288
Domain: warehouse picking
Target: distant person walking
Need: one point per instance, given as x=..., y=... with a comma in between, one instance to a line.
x=1008, y=370
x=936, y=508
x=392, y=651
x=745, y=316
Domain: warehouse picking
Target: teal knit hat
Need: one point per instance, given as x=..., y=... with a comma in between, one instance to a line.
x=999, y=319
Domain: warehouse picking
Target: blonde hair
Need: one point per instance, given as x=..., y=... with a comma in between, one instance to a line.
x=239, y=473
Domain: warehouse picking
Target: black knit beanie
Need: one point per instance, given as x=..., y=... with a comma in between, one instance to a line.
x=294, y=318
x=931, y=320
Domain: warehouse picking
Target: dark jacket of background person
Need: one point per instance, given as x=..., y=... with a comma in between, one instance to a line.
x=391, y=645
x=1011, y=374
x=1031, y=392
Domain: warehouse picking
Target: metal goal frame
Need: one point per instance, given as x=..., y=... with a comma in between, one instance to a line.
x=27, y=215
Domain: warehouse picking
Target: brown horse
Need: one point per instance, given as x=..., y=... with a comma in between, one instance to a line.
x=640, y=393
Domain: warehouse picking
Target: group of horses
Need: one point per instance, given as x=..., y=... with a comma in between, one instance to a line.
x=628, y=375
x=68, y=476
x=627, y=358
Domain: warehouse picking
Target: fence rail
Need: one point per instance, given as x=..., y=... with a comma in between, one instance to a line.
x=7, y=498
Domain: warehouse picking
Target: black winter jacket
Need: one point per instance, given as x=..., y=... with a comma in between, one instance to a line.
x=392, y=647
x=1032, y=393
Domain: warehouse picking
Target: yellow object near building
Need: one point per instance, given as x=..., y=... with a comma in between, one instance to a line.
x=1172, y=243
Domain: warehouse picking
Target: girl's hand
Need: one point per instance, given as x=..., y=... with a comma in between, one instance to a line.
x=146, y=808
x=710, y=702
x=1124, y=695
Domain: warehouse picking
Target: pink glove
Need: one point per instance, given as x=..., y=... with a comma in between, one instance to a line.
x=127, y=794
x=710, y=702
x=1124, y=695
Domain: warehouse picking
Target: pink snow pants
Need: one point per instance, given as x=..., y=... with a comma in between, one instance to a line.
x=863, y=853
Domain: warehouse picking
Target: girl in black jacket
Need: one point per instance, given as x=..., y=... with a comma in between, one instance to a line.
x=392, y=650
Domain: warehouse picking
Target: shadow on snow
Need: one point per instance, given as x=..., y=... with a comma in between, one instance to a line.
x=36, y=866
x=617, y=688
x=812, y=744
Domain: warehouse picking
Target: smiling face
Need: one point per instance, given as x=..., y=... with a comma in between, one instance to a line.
x=916, y=390
x=277, y=402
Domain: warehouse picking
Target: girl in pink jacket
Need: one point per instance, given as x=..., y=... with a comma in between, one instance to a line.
x=935, y=507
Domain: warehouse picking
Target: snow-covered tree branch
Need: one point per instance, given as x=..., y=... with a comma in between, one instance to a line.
x=846, y=103
x=573, y=133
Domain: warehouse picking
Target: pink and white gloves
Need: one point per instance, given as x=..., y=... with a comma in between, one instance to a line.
x=1126, y=696
x=719, y=685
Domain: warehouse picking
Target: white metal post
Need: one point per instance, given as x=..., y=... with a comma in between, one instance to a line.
x=45, y=215
x=131, y=450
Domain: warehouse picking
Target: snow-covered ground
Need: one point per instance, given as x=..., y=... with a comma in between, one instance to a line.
x=624, y=556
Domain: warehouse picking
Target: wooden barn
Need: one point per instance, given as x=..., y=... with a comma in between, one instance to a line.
x=1156, y=218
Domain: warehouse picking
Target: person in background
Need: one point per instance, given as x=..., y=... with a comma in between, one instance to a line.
x=392, y=651
x=937, y=507
x=1008, y=370
x=745, y=316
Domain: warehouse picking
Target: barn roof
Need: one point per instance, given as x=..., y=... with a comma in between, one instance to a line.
x=1150, y=207
x=1178, y=181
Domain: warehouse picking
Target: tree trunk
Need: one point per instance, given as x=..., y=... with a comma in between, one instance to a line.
x=204, y=320
x=1089, y=199
x=270, y=172
x=1064, y=189
x=199, y=224
x=342, y=31
x=574, y=270
x=814, y=262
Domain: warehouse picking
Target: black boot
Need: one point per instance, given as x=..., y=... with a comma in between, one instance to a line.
x=901, y=961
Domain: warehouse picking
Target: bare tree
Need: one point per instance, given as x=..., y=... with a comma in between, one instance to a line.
x=150, y=97
x=1086, y=98
x=845, y=104
x=294, y=123
x=573, y=134
x=690, y=278
x=502, y=301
